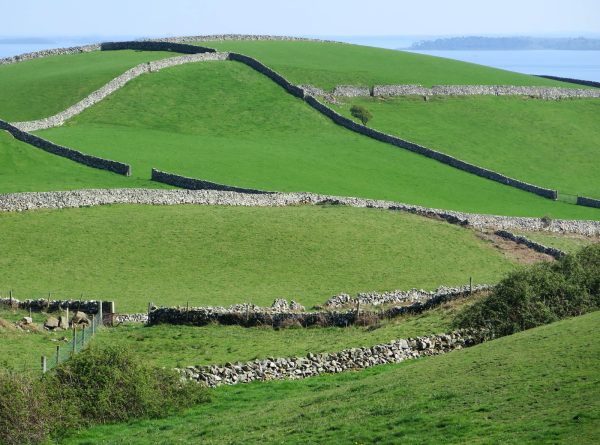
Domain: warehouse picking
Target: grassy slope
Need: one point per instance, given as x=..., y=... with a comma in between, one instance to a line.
x=42, y=87
x=24, y=168
x=172, y=346
x=538, y=386
x=224, y=122
x=329, y=64
x=553, y=144
x=225, y=255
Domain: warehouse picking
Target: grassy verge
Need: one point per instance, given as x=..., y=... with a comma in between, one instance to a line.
x=538, y=386
x=549, y=143
x=214, y=255
x=42, y=87
x=224, y=122
x=329, y=64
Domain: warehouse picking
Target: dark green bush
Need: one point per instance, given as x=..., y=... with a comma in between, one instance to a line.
x=539, y=294
x=99, y=385
x=361, y=113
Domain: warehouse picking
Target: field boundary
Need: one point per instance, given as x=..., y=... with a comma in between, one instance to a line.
x=198, y=184
x=22, y=201
x=295, y=368
x=65, y=152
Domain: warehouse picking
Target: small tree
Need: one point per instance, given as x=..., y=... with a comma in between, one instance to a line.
x=361, y=113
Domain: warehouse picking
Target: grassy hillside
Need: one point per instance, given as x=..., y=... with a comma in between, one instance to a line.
x=538, y=386
x=554, y=144
x=42, y=87
x=224, y=122
x=223, y=255
x=329, y=64
x=24, y=168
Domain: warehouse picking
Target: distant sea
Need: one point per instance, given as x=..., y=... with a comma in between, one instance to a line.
x=576, y=64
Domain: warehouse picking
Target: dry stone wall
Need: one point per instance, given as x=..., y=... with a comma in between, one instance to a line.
x=50, y=52
x=16, y=202
x=549, y=93
x=47, y=305
x=588, y=83
x=588, y=202
x=155, y=45
x=69, y=153
x=552, y=251
x=294, y=368
x=197, y=184
x=112, y=86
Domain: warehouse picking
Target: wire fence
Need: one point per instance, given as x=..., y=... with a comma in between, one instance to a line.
x=80, y=337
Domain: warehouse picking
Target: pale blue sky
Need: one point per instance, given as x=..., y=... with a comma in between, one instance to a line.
x=308, y=17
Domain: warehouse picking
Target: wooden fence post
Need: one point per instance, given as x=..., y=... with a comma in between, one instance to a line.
x=57, y=354
x=44, y=364
x=470, y=285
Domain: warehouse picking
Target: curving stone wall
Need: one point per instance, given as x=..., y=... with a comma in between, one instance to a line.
x=47, y=305
x=50, y=52
x=315, y=364
x=588, y=202
x=112, y=86
x=552, y=251
x=197, y=184
x=433, y=154
x=69, y=153
x=17, y=202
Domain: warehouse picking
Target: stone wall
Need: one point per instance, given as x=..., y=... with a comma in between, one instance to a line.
x=315, y=364
x=548, y=93
x=197, y=184
x=155, y=45
x=274, y=76
x=112, y=86
x=48, y=305
x=283, y=314
x=226, y=37
x=69, y=153
x=552, y=251
x=351, y=91
x=49, y=52
x=588, y=202
x=588, y=83
x=438, y=156
x=16, y=202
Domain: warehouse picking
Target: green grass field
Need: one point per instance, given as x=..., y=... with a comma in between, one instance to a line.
x=329, y=64
x=553, y=144
x=224, y=122
x=42, y=87
x=213, y=255
x=537, y=386
x=24, y=168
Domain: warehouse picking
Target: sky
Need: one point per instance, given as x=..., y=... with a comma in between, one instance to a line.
x=152, y=18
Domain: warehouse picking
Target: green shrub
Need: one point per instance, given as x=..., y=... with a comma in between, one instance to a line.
x=540, y=294
x=110, y=384
x=361, y=113
x=99, y=385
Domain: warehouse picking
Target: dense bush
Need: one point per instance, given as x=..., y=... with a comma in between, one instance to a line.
x=539, y=294
x=361, y=113
x=100, y=385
